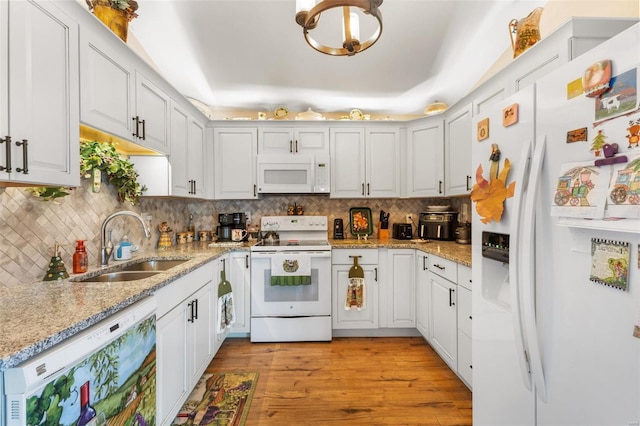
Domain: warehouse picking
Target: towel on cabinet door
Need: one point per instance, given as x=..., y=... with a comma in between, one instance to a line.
x=290, y=269
x=226, y=310
x=355, y=294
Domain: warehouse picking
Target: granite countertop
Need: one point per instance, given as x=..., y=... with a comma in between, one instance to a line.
x=38, y=315
x=459, y=253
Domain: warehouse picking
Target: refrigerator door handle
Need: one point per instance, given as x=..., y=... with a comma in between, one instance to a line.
x=513, y=277
x=528, y=270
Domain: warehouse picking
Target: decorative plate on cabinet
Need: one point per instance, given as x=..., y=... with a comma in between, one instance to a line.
x=356, y=114
x=281, y=113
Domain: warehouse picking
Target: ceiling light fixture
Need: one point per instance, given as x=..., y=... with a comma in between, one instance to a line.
x=308, y=14
x=435, y=108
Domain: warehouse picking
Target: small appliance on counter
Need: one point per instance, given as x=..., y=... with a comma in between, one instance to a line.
x=463, y=231
x=438, y=225
x=402, y=231
x=338, y=229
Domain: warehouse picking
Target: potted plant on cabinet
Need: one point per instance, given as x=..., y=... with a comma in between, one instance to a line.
x=115, y=14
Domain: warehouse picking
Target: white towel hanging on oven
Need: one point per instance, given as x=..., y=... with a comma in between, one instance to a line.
x=290, y=269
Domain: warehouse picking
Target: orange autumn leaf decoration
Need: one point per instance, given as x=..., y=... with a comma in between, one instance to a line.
x=489, y=196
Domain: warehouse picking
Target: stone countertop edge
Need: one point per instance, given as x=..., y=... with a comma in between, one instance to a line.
x=450, y=250
x=61, y=309
x=65, y=308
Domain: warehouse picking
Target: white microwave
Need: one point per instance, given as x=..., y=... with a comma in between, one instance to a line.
x=281, y=174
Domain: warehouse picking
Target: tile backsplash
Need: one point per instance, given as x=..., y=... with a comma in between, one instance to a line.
x=30, y=227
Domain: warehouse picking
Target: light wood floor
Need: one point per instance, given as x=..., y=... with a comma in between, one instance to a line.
x=354, y=381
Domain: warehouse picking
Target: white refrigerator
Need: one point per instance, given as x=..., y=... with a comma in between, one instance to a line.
x=551, y=346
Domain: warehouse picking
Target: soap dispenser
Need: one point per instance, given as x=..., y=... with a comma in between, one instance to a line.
x=80, y=258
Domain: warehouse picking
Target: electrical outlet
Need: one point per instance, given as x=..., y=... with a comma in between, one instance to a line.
x=408, y=218
x=247, y=216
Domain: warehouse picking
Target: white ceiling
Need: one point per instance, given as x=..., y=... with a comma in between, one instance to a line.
x=251, y=54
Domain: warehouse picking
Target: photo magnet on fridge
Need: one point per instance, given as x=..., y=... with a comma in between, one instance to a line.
x=510, y=115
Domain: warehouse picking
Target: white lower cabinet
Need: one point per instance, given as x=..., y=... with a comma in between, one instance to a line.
x=443, y=335
x=184, y=331
x=422, y=294
x=401, y=288
x=342, y=261
x=240, y=277
x=464, y=334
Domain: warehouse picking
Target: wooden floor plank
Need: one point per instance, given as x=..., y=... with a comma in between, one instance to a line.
x=368, y=381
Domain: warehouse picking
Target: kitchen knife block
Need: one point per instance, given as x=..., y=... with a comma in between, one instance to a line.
x=383, y=234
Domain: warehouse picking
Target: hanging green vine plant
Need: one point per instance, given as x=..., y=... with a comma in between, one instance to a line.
x=102, y=156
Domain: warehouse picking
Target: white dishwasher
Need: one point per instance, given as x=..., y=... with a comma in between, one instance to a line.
x=103, y=374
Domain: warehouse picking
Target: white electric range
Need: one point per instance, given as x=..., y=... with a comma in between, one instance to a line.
x=291, y=281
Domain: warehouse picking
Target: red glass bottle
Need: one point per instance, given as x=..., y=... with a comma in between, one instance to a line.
x=80, y=258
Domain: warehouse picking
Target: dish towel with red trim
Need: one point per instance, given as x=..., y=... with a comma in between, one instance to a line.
x=355, y=294
x=290, y=269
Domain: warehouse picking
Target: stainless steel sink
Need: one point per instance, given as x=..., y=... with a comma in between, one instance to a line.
x=108, y=277
x=154, y=265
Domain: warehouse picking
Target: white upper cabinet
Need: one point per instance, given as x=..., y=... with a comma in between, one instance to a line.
x=107, y=80
x=234, y=157
x=151, y=121
x=293, y=140
x=39, y=97
x=457, y=154
x=365, y=162
x=424, y=173
x=187, y=154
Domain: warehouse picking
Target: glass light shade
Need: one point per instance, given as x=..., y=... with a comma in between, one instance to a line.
x=354, y=27
x=435, y=108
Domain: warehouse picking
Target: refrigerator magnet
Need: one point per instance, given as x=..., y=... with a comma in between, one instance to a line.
x=510, y=115
x=577, y=135
x=483, y=129
x=595, y=80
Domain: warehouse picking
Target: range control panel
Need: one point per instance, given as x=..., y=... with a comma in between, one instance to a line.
x=495, y=246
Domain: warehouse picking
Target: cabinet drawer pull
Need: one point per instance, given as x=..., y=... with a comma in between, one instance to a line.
x=25, y=157
x=442, y=268
x=7, y=147
x=191, y=307
x=137, y=132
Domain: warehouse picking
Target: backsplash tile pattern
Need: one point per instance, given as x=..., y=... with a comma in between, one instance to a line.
x=30, y=227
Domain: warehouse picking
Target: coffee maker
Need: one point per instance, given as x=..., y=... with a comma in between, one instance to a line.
x=223, y=230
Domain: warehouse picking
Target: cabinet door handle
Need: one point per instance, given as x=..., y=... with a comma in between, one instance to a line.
x=470, y=317
x=224, y=265
x=7, y=148
x=296, y=145
x=246, y=261
x=439, y=187
x=451, y=302
x=191, y=307
x=255, y=188
x=136, y=134
x=363, y=189
x=144, y=130
x=468, y=182
x=25, y=157
x=290, y=146
x=424, y=263
x=375, y=278
x=196, y=309
x=368, y=192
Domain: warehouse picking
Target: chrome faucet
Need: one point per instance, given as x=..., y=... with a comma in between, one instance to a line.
x=105, y=247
